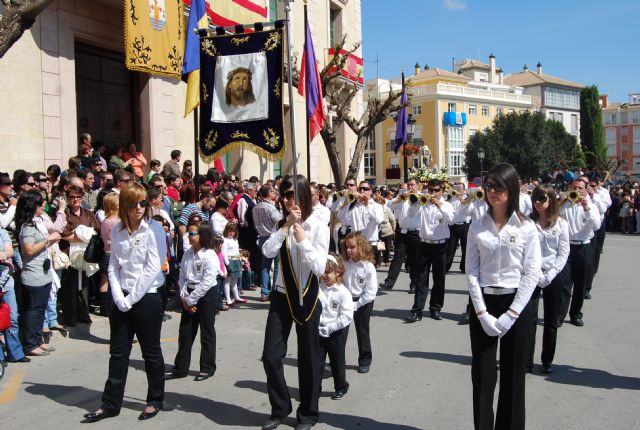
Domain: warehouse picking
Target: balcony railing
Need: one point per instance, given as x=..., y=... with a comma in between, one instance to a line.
x=473, y=93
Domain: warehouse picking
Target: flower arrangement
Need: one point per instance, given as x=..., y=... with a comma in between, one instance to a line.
x=410, y=150
x=424, y=174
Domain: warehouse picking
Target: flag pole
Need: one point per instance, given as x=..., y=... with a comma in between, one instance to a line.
x=294, y=154
x=306, y=100
x=404, y=143
x=196, y=151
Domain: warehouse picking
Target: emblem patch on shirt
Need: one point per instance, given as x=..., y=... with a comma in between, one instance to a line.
x=361, y=280
x=334, y=304
x=512, y=239
x=137, y=242
x=198, y=266
x=584, y=220
x=440, y=220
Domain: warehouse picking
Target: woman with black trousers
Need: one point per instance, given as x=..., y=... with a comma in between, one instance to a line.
x=302, y=245
x=135, y=277
x=553, y=232
x=199, y=269
x=37, y=273
x=503, y=268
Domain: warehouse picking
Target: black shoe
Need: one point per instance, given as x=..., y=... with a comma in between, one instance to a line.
x=148, y=415
x=577, y=322
x=173, y=375
x=94, y=417
x=363, y=369
x=271, y=424
x=547, y=368
x=465, y=319
x=412, y=290
x=339, y=394
x=462, y=270
x=436, y=315
x=587, y=296
x=24, y=359
x=202, y=376
x=530, y=368
x=383, y=285
x=560, y=324
x=303, y=426
x=413, y=317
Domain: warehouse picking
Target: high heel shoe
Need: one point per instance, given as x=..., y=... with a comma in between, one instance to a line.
x=148, y=415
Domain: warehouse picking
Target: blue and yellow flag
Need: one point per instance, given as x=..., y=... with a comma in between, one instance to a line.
x=154, y=36
x=191, y=68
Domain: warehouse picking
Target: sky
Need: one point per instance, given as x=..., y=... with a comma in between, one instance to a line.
x=584, y=41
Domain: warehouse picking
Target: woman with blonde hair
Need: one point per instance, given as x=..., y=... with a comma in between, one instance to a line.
x=135, y=277
x=110, y=206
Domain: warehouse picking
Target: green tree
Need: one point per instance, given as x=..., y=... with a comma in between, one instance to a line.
x=591, y=129
x=527, y=140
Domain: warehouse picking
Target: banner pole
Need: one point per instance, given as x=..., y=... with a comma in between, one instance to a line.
x=196, y=149
x=294, y=154
x=306, y=101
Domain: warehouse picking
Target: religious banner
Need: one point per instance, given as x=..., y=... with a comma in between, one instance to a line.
x=241, y=79
x=154, y=36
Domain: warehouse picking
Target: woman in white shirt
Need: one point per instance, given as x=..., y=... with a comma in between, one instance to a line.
x=135, y=276
x=218, y=220
x=553, y=232
x=198, y=272
x=503, y=268
x=303, y=245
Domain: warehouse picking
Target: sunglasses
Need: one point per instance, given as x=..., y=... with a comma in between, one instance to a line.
x=540, y=199
x=43, y=180
x=364, y=189
x=434, y=190
x=74, y=197
x=289, y=195
x=142, y=203
x=193, y=234
x=350, y=185
x=492, y=186
x=31, y=184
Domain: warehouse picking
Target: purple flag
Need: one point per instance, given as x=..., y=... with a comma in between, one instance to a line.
x=401, y=123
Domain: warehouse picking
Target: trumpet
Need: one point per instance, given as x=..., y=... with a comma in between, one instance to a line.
x=573, y=196
x=403, y=197
x=529, y=192
x=477, y=195
x=424, y=199
x=452, y=194
x=351, y=198
x=339, y=194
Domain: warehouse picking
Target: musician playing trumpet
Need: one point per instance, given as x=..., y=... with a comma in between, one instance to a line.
x=435, y=217
x=339, y=201
x=362, y=213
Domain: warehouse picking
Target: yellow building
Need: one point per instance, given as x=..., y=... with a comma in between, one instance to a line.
x=448, y=108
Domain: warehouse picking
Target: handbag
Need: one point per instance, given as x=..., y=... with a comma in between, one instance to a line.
x=5, y=315
x=380, y=246
x=60, y=260
x=95, y=250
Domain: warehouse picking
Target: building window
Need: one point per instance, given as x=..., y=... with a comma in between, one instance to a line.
x=562, y=98
x=611, y=150
x=624, y=118
x=277, y=168
x=483, y=77
x=485, y=110
x=273, y=10
x=611, y=135
x=636, y=165
x=636, y=134
x=394, y=163
x=369, y=164
x=416, y=110
x=473, y=110
x=455, y=150
x=574, y=123
x=334, y=26
x=472, y=131
x=636, y=149
x=451, y=107
x=635, y=117
x=614, y=118
x=499, y=110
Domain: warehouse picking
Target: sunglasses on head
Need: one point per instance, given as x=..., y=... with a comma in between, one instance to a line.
x=492, y=186
x=539, y=199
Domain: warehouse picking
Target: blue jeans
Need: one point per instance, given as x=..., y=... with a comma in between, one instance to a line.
x=246, y=280
x=35, y=302
x=266, y=267
x=51, y=314
x=11, y=336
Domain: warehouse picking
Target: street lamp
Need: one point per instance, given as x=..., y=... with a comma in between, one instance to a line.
x=481, y=158
x=411, y=126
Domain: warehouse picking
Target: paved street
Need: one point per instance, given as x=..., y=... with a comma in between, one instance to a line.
x=420, y=377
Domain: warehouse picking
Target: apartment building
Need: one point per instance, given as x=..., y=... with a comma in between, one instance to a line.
x=622, y=132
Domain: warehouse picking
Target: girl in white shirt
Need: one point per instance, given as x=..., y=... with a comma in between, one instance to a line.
x=553, y=232
x=503, y=268
x=361, y=280
x=217, y=219
x=337, y=314
x=198, y=279
x=233, y=263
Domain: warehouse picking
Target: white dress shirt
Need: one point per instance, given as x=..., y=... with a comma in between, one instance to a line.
x=322, y=212
x=602, y=200
x=311, y=252
x=242, y=211
x=218, y=223
x=135, y=265
x=582, y=224
x=434, y=220
x=198, y=272
x=510, y=258
x=406, y=220
x=460, y=216
x=526, y=206
x=475, y=209
x=365, y=219
x=337, y=307
x=230, y=248
x=554, y=246
x=362, y=281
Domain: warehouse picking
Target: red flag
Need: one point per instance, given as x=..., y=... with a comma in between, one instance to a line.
x=310, y=86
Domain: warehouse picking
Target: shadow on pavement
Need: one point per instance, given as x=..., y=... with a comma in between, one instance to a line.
x=339, y=421
x=594, y=378
x=440, y=356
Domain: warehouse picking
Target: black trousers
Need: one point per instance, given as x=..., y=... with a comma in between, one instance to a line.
x=75, y=303
x=276, y=334
x=205, y=319
x=431, y=256
x=144, y=320
x=597, y=243
x=552, y=298
x=514, y=346
x=335, y=346
x=580, y=260
x=458, y=234
x=405, y=248
x=361, y=318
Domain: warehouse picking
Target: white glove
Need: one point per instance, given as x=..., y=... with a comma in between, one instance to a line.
x=543, y=281
x=324, y=331
x=505, y=322
x=488, y=323
x=122, y=305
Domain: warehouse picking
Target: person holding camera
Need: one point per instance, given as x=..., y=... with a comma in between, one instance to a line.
x=37, y=274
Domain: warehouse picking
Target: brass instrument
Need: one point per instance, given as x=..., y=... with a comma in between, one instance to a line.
x=573, y=196
x=478, y=195
x=351, y=197
x=529, y=192
x=340, y=194
x=402, y=197
x=424, y=199
x=452, y=194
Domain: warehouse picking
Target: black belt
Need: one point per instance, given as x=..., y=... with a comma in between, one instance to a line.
x=355, y=298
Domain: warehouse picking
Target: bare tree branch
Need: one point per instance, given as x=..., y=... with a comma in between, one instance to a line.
x=17, y=17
